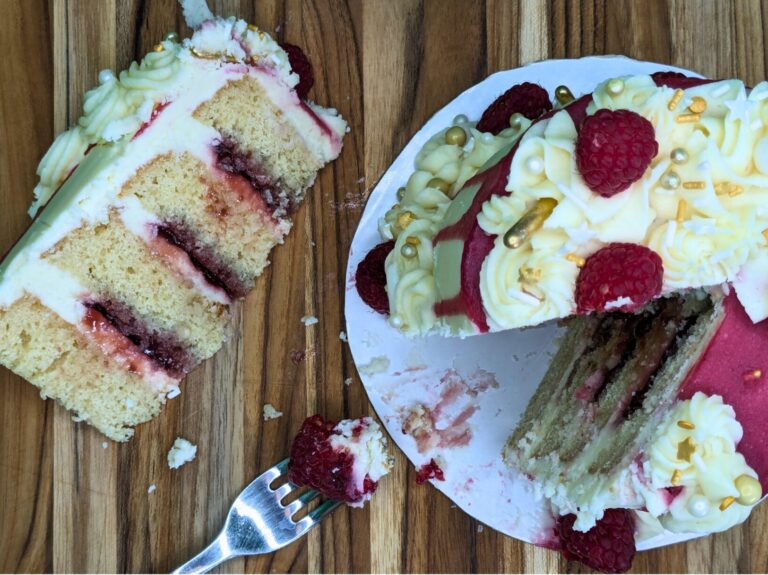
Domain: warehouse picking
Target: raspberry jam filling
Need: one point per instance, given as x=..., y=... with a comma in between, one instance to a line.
x=205, y=261
x=233, y=160
x=162, y=349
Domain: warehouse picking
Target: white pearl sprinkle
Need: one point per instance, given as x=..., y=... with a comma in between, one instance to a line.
x=106, y=76
x=396, y=321
x=486, y=138
x=408, y=251
x=535, y=165
x=679, y=155
x=616, y=86
x=698, y=506
x=460, y=119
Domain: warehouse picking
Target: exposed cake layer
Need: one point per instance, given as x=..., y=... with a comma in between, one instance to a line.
x=609, y=388
x=220, y=218
x=116, y=266
x=160, y=216
x=67, y=365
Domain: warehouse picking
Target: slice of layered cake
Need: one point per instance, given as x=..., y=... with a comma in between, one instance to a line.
x=157, y=211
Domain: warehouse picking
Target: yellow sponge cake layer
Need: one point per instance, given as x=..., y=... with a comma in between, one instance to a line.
x=228, y=221
x=60, y=360
x=119, y=267
x=161, y=208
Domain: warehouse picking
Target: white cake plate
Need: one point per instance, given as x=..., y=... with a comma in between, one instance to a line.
x=475, y=388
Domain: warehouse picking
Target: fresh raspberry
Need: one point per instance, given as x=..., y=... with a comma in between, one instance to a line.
x=530, y=100
x=316, y=464
x=429, y=471
x=677, y=80
x=608, y=547
x=619, y=271
x=613, y=150
x=301, y=65
x=371, y=279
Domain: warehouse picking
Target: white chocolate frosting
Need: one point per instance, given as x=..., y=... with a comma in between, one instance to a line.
x=410, y=280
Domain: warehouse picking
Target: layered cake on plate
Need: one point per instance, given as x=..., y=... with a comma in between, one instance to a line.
x=154, y=213
x=637, y=215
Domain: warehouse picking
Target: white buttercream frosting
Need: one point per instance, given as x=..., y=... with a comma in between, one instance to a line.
x=364, y=440
x=707, y=230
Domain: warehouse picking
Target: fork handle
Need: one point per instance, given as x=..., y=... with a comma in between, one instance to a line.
x=213, y=555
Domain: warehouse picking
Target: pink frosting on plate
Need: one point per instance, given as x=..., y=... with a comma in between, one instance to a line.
x=735, y=366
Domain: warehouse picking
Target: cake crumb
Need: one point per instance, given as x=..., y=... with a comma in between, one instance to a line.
x=104, y=445
x=308, y=320
x=480, y=528
x=183, y=451
x=152, y=488
x=348, y=381
x=343, y=336
x=173, y=391
x=378, y=364
x=270, y=412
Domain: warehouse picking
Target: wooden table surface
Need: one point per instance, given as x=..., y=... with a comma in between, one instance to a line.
x=69, y=504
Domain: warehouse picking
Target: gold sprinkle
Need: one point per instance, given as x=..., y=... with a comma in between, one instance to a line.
x=686, y=449
x=676, y=97
x=682, y=208
x=727, y=502
x=698, y=105
x=530, y=221
x=404, y=220
x=752, y=375
x=732, y=190
x=735, y=191
x=675, y=479
x=695, y=185
x=686, y=424
x=704, y=130
x=159, y=47
x=765, y=235
x=529, y=275
x=253, y=28
x=688, y=118
x=579, y=261
x=413, y=241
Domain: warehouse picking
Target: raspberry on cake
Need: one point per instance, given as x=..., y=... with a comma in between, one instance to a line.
x=672, y=166
x=156, y=211
x=343, y=461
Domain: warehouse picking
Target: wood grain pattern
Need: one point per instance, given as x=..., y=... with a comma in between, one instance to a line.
x=69, y=504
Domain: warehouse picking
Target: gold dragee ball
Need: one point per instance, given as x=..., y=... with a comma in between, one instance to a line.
x=616, y=86
x=158, y=47
x=750, y=490
x=408, y=251
x=456, y=136
x=679, y=155
x=670, y=181
x=564, y=95
x=516, y=120
x=440, y=184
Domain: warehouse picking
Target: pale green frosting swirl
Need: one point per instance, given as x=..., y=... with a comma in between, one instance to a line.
x=61, y=158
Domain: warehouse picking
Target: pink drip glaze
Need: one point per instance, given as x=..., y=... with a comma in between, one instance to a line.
x=738, y=348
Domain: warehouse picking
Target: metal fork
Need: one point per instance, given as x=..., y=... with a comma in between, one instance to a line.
x=258, y=522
